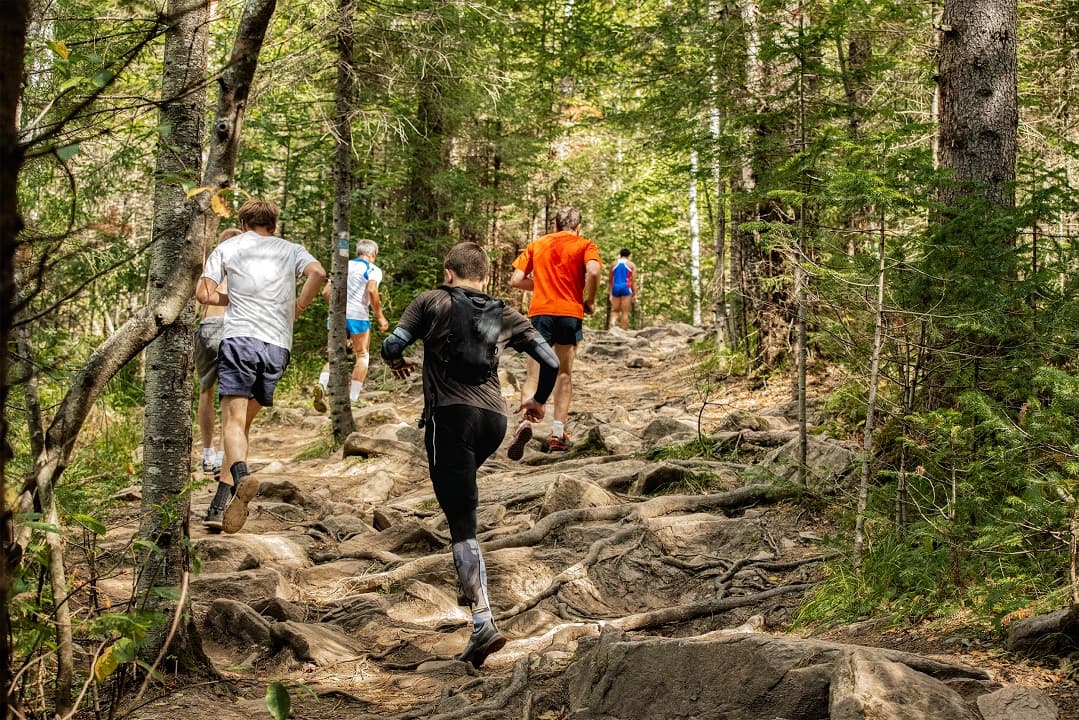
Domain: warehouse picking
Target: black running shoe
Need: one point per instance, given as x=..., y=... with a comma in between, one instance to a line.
x=213, y=518
x=483, y=642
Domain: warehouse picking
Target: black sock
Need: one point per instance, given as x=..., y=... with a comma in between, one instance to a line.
x=239, y=472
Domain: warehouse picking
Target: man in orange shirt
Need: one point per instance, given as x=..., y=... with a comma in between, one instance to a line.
x=562, y=271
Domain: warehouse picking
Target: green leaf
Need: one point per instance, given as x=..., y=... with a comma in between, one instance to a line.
x=92, y=524
x=71, y=83
x=148, y=545
x=67, y=152
x=101, y=78
x=124, y=650
x=43, y=526
x=168, y=592
x=278, y=701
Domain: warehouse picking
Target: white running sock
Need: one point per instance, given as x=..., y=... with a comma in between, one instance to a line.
x=324, y=379
x=558, y=428
x=355, y=390
x=208, y=455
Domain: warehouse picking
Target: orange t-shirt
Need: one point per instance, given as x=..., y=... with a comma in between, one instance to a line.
x=557, y=264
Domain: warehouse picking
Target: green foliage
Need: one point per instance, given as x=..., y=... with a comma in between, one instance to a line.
x=278, y=701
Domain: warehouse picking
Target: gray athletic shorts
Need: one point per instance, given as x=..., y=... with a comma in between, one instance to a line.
x=250, y=368
x=207, y=342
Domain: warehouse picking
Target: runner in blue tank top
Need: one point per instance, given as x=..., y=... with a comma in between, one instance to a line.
x=623, y=289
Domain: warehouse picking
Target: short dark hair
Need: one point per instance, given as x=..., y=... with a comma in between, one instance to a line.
x=468, y=261
x=567, y=218
x=624, y=252
x=259, y=213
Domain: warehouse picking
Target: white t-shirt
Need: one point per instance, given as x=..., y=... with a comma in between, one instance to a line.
x=360, y=273
x=261, y=272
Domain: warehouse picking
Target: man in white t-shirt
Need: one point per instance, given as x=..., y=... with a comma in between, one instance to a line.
x=364, y=278
x=261, y=306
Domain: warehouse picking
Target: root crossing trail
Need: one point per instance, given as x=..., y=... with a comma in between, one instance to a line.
x=341, y=584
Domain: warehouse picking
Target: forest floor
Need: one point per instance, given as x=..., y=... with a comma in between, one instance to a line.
x=350, y=553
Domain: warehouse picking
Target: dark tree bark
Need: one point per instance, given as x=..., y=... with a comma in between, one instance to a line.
x=340, y=367
x=14, y=21
x=978, y=109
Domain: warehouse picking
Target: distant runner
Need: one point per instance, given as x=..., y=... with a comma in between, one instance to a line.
x=623, y=288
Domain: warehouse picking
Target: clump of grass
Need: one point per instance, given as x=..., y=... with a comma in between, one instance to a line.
x=318, y=450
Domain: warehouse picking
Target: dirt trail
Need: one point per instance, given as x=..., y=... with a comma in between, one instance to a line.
x=342, y=587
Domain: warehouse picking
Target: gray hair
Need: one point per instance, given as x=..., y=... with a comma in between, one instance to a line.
x=367, y=247
x=567, y=218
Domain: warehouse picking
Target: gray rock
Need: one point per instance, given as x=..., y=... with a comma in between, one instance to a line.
x=747, y=676
x=866, y=686
x=242, y=586
x=323, y=645
x=237, y=622
x=1055, y=633
x=826, y=461
x=663, y=427
x=1017, y=702
x=282, y=491
x=658, y=476
x=361, y=445
x=381, y=414
x=280, y=610
x=568, y=492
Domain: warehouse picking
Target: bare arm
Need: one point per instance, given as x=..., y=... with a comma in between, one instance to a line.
x=520, y=281
x=207, y=293
x=591, y=284
x=316, y=276
x=375, y=303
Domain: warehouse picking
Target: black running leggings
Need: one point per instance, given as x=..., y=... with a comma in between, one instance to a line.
x=459, y=438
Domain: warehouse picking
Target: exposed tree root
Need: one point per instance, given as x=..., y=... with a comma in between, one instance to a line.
x=690, y=611
x=571, y=574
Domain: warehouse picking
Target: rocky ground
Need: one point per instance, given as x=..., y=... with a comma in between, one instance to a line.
x=631, y=587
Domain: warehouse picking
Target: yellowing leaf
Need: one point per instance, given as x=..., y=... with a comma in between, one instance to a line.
x=106, y=664
x=60, y=49
x=192, y=192
x=219, y=206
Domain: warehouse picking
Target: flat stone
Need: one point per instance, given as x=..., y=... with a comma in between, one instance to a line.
x=1017, y=702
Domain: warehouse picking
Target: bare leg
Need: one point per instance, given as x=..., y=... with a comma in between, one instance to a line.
x=563, y=386
x=361, y=346
x=237, y=412
x=206, y=416
x=528, y=389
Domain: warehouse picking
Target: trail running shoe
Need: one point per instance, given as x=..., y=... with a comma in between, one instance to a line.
x=320, y=399
x=483, y=642
x=213, y=518
x=558, y=444
x=235, y=514
x=517, y=448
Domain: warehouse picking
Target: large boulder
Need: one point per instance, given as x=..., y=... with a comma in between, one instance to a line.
x=826, y=461
x=323, y=645
x=866, y=686
x=237, y=622
x=1056, y=633
x=745, y=676
x=1017, y=702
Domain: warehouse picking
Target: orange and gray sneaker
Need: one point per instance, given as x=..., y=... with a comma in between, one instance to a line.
x=559, y=444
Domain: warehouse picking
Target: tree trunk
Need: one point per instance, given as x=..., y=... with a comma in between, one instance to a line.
x=340, y=368
x=14, y=21
x=694, y=241
x=978, y=111
x=426, y=233
x=168, y=386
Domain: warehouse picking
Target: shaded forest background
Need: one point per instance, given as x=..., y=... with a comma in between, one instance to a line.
x=776, y=169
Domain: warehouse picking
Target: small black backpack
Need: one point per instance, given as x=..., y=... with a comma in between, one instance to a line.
x=471, y=352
